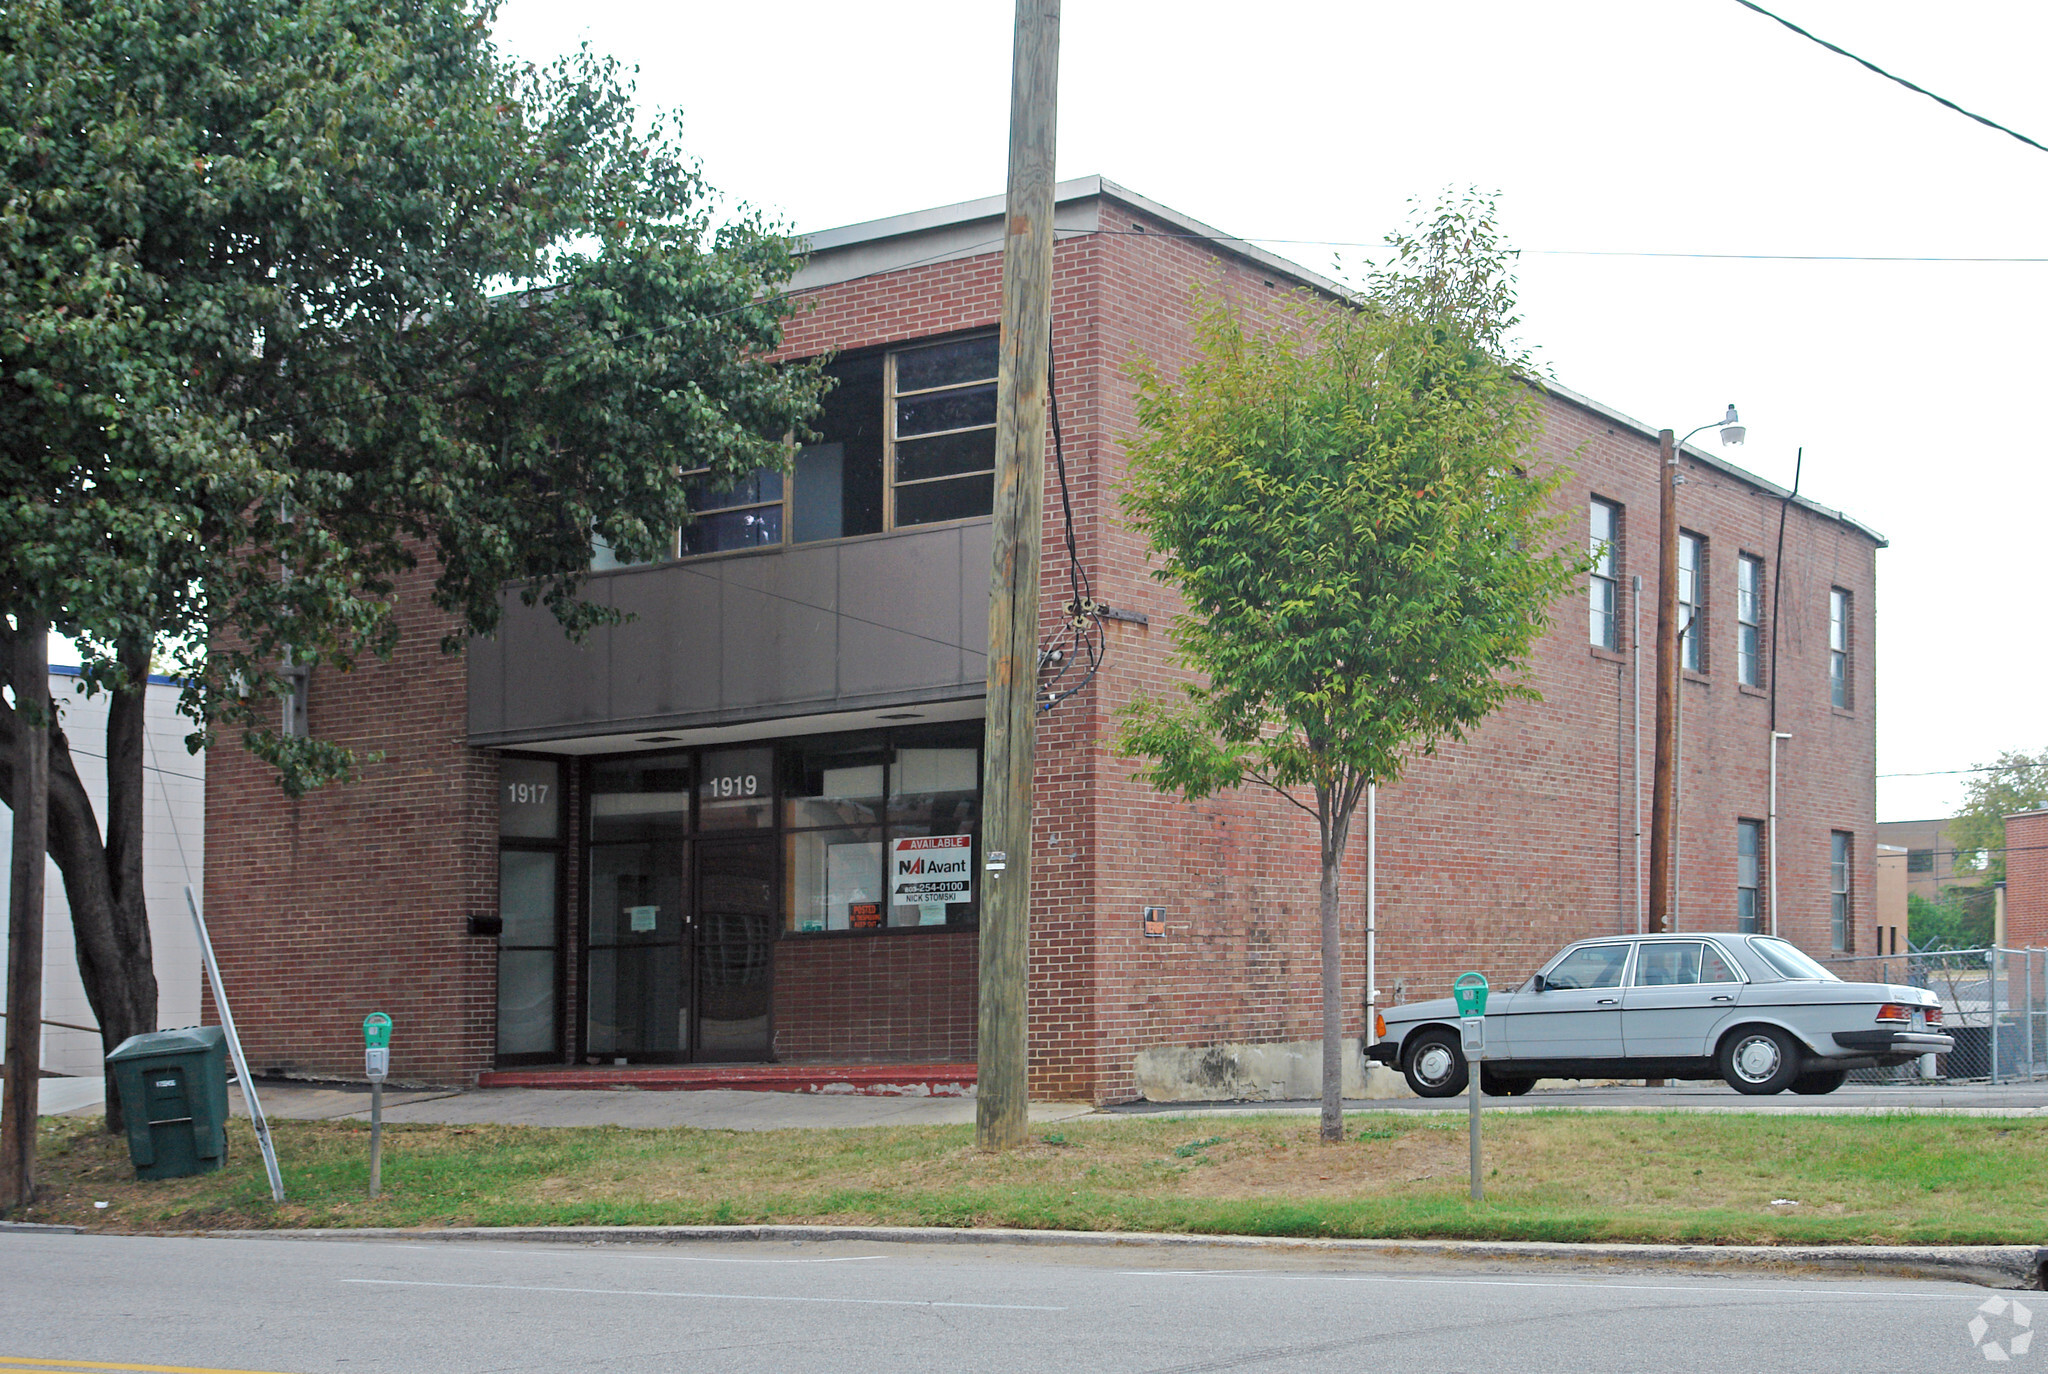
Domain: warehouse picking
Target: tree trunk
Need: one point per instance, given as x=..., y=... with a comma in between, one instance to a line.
x=1334, y=823
x=103, y=878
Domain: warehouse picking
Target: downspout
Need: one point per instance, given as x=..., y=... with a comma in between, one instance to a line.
x=1777, y=579
x=1635, y=647
x=1372, y=907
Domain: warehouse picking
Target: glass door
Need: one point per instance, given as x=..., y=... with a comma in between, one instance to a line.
x=738, y=916
x=636, y=1002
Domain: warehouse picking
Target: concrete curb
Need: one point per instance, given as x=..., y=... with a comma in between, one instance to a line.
x=1992, y=1266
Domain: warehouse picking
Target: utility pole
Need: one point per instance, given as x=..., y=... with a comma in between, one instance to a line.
x=31, y=664
x=1002, y=1090
x=1664, y=776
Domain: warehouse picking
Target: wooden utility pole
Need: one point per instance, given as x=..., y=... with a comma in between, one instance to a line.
x=31, y=661
x=1002, y=1095
x=1664, y=778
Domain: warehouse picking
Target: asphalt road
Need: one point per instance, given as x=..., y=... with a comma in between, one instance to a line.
x=299, y=1306
x=2004, y=1099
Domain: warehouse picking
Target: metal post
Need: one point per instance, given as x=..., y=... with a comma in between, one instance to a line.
x=1001, y=1093
x=1771, y=916
x=1992, y=962
x=1664, y=772
x=1472, y=1088
x=376, y=1135
x=31, y=762
x=2027, y=972
x=227, y=1025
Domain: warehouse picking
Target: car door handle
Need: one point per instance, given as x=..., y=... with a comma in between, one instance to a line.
x=1722, y=997
x=1606, y=1001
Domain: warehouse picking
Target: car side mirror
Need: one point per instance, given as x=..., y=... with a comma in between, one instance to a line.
x=1537, y=984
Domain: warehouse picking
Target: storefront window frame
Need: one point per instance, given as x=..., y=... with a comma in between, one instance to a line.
x=560, y=846
x=780, y=830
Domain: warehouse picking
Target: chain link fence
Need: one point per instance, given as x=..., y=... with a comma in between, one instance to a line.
x=1994, y=1002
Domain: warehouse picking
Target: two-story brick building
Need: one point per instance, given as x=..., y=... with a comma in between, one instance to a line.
x=690, y=838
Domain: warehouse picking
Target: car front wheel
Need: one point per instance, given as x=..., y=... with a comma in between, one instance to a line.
x=1820, y=1081
x=1759, y=1060
x=1435, y=1065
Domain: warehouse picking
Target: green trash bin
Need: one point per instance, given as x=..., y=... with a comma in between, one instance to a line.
x=174, y=1092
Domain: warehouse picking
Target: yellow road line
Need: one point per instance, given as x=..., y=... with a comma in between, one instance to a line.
x=21, y=1364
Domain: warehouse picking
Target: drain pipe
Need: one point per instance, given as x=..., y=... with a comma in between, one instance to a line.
x=1372, y=906
x=1635, y=653
x=1771, y=916
x=1777, y=579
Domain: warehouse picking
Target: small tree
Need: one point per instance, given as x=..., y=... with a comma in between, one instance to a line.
x=2017, y=782
x=299, y=294
x=1347, y=503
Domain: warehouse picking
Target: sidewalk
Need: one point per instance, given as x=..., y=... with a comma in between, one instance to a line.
x=713, y=1109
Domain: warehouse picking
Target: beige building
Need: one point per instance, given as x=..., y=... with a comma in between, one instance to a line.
x=1930, y=857
x=1891, y=897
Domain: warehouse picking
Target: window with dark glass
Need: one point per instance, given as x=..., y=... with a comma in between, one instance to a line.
x=836, y=483
x=944, y=426
x=1919, y=861
x=1839, y=931
x=1838, y=648
x=1749, y=603
x=1604, y=585
x=530, y=837
x=1692, y=607
x=742, y=514
x=1748, y=846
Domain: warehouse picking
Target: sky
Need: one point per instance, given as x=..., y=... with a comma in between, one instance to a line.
x=1611, y=130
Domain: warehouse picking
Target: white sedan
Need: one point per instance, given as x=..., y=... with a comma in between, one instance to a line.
x=1752, y=1010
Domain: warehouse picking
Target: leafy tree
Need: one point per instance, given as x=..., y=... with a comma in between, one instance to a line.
x=1348, y=503
x=2017, y=782
x=1962, y=919
x=299, y=294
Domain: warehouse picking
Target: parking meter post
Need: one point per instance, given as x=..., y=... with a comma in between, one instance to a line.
x=376, y=1136
x=376, y=1065
x=1478, y=1189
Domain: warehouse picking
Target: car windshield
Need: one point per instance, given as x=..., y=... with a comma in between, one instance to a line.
x=1791, y=961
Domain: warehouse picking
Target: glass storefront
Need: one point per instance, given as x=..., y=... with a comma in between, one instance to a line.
x=530, y=843
x=700, y=860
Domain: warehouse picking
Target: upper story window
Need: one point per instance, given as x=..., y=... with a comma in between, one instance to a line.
x=1838, y=648
x=1749, y=605
x=908, y=437
x=1603, y=531
x=1692, y=609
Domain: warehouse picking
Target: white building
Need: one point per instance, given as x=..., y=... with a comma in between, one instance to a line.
x=173, y=837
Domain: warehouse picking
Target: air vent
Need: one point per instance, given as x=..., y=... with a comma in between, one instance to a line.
x=660, y=739
x=905, y=715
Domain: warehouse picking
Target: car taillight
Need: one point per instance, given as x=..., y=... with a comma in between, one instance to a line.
x=1933, y=1015
x=1892, y=1011
x=1379, y=1026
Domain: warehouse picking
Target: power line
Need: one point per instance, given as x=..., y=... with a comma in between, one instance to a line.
x=1953, y=772
x=1866, y=62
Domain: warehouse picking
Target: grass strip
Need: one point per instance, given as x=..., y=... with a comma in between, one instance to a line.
x=1556, y=1176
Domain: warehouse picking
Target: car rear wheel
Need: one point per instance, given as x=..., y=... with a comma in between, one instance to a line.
x=1435, y=1065
x=1820, y=1081
x=1501, y=1085
x=1759, y=1060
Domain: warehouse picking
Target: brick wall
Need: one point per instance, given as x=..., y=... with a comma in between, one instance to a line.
x=904, y=998
x=2026, y=880
x=355, y=898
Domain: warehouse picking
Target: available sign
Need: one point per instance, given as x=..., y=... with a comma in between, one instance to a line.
x=930, y=872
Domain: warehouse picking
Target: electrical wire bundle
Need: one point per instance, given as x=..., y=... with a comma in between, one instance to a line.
x=1070, y=661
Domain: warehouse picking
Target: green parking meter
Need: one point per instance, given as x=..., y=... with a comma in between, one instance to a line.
x=1469, y=992
x=376, y=1065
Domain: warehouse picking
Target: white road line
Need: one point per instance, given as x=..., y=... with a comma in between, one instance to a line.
x=1708, y=1290
x=728, y=1297
x=676, y=1259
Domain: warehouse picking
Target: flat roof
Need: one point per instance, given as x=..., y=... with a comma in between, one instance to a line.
x=969, y=228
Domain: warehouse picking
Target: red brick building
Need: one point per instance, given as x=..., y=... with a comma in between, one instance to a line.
x=2026, y=881
x=690, y=837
